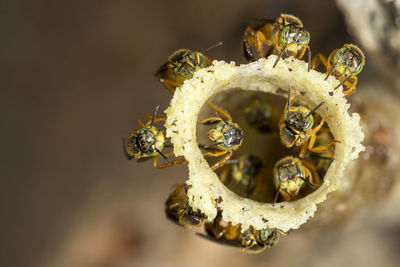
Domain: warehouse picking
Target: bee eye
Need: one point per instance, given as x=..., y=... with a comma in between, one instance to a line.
x=303, y=37
x=283, y=38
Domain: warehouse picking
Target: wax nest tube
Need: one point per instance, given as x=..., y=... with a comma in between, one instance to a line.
x=206, y=192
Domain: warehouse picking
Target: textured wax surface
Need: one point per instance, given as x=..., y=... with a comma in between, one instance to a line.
x=311, y=88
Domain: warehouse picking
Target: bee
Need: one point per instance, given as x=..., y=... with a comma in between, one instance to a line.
x=258, y=113
x=244, y=170
x=290, y=173
x=181, y=65
x=256, y=241
x=323, y=160
x=178, y=210
x=295, y=126
x=286, y=35
x=251, y=240
x=148, y=142
x=226, y=136
x=345, y=64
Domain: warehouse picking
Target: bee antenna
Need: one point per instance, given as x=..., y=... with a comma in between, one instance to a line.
x=308, y=183
x=292, y=23
x=162, y=155
x=222, y=118
x=211, y=47
x=279, y=56
x=322, y=157
x=276, y=195
x=288, y=98
x=209, y=146
x=309, y=60
x=154, y=115
x=345, y=80
x=315, y=109
x=330, y=71
x=232, y=161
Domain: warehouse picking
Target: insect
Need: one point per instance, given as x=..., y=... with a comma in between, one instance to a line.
x=323, y=160
x=345, y=64
x=244, y=170
x=148, y=142
x=258, y=113
x=226, y=136
x=295, y=126
x=290, y=173
x=178, y=210
x=286, y=35
x=181, y=65
x=251, y=240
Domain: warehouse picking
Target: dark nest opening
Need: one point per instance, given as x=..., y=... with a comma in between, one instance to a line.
x=261, y=140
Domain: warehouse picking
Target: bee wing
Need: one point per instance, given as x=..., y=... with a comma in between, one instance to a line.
x=129, y=157
x=256, y=23
x=161, y=69
x=221, y=241
x=173, y=219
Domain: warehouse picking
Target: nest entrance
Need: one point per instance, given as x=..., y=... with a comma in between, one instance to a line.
x=260, y=138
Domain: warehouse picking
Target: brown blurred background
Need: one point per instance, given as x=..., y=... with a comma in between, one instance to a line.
x=75, y=77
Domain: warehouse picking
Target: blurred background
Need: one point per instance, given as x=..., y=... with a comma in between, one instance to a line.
x=75, y=77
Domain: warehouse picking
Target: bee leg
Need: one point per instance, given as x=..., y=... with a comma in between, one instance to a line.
x=259, y=187
x=285, y=195
x=302, y=51
x=169, y=163
x=319, y=58
x=215, y=154
x=233, y=232
x=316, y=129
x=177, y=190
x=210, y=120
x=248, y=187
x=224, y=176
x=350, y=86
x=220, y=110
x=256, y=38
x=223, y=160
x=140, y=122
x=312, y=173
x=291, y=97
x=282, y=232
x=303, y=149
x=160, y=118
x=319, y=149
x=170, y=84
x=143, y=159
x=156, y=119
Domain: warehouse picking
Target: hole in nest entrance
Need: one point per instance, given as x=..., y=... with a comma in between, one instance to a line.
x=253, y=138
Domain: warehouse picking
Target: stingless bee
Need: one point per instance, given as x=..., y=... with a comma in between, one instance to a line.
x=251, y=240
x=244, y=171
x=323, y=160
x=178, y=210
x=290, y=173
x=181, y=65
x=295, y=126
x=258, y=113
x=286, y=35
x=226, y=136
x=345, y=64
x=148, y=142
